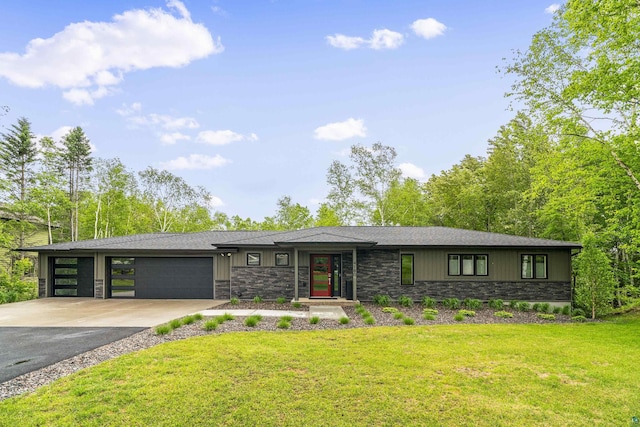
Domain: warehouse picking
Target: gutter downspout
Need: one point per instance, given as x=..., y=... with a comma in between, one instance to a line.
x=355, y=273
x=295, y=274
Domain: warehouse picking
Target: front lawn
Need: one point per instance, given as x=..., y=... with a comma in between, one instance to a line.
x=555, y=374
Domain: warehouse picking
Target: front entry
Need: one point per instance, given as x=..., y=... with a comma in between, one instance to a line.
x=325, y=275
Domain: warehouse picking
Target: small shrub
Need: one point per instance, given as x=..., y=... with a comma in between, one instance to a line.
x=545, y=307
x=251, y=321
x=287, y=318
x=514, y=304
x=428, y=316
x=398, y=315
x=503, y=314
x=283, y=324
x=210, y=325
x=175, y=323
x=369, y=320
x=496, y=304
x=163, y=329
x=566, y=310
x=187, y=320
x=467, y=313
x=358, y=305
x=408, y=321
x=296, y=304
x=234, y=301
x=546, y=316
x=557, y=310
x=428, y=302
x=382, y=300
x=389, y=310
x=344, y=320
x=198, y=316
x=451, y=303
x=524, y=306
x=458, y=317
x=257, y=299
x=281, y=300
x=579, y=319
x=365, y=313
x=472, y=304
x=431, y=311
x=360, y=309
x=314, y=320
x=577, y=312
x=226, y=316
x=536, y=307
x=405, y=301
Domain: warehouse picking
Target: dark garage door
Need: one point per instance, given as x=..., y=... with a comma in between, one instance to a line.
x=178, y=278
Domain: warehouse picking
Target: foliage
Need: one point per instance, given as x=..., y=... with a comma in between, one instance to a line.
x=467, y=313
x=389, y=310
x=369, y=320
x=405, y=301
x=557, y=310
x=503, y=314
x=430, y=311
x=546, y=316
x=472, y=304
x=210, y=325
x=577, y=312
x=459, y=317
x=523, y=306
x=257, y=299
x=428, y=316
x=496, y=304
x=566, y=310
x=451, y=303
x=409, y=321
x=198, y=316
x=252, y=321
x=398, y=315
x=296, y=304
x=163, y=329
x=287, y=318
x=595, y=281
x=283, y=324
x=314, y=320
x=428, y=302
x=14, y=286
x=188, y=320
x=382, y=300
x=234, y=301
x=175, y=323
x=344, y=320
x=281, y=300
x=579, y=318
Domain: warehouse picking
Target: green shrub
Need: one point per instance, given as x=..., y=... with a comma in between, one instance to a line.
x=557, y=310
x=451, y=303
x=365, y=313
x=579, y=319
x=314, y=320
x=252, y=321
x=281, y=300
x=389, y=310
x=175, y=323
x=296, y=304
x=472, y=304
x=369, y=320
x=283, y=324
x=360, y=309
x=577, y=312
x=198, y=316
x=546, y=316
x=234, y=301
x=428, y=316
x=428, y=302
x=210, y=325
x=163, y=329
x=382, y=300
x=503, y=314
x=405, y=301
x=187, y=320
x=536, y=307
x=514, y=304
x=524, y=306
x=257, y=299
x=566, y=310
x=458, y=317
x=432, y=311
x=344, y=320
x=409, y=321
x=287, y=318
x=467, y=313
x=14, y=286
x=545, y=307
x=398, y=315
x=358, y=305
x=496, y=304
x=225, y=317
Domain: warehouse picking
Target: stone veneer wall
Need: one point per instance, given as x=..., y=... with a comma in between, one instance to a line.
x=522, y=291
x=269, y=283
x=99, y=288
x=378, y=273
x=222, y=289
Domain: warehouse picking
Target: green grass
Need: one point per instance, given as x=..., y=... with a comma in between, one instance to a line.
x=163, y=329
x=448, y=375
x=210, y=325
x=175, y=323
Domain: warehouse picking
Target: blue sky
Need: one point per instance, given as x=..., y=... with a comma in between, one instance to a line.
x=254, y=99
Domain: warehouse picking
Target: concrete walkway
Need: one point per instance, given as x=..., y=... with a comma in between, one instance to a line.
x=323, y=312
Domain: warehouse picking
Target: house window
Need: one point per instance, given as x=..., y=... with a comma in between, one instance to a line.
x=122, y=279
x=406, y=263
x=282, y=260
x=468, y=265
x=534, y=266
x=253, y=258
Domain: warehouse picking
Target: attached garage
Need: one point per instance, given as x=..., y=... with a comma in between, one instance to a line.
x=160, y=278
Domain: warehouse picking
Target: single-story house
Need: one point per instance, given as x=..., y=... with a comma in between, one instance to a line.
x=353, y=263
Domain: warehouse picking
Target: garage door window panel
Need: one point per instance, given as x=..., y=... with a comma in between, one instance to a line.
x=123, y=277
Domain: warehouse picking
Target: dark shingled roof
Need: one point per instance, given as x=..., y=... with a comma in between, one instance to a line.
x=358, y=236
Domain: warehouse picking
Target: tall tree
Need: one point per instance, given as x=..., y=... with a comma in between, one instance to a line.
x=290, y=216
x=76, y=156
x=594, y=278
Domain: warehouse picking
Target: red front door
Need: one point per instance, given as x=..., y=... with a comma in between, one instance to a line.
x=321, y=272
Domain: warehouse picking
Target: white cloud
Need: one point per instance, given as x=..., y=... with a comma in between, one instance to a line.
x=428, y=28
x=61, y=132
x=129, y=110
x=410, y=170
x=164, y=121
x=172, y=138
x=552, y=8
x=223, y=137
x=195, y=161
x=87, y=59
x=215, y=202
x=314, y=201
x=340, y=131
x=386, y=39
x=380, y=39
x=345, y=42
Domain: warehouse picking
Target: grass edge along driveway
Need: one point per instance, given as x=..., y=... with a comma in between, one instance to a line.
x=572, y=374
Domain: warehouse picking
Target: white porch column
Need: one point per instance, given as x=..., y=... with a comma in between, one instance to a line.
x=295, y=274
x=355, y=273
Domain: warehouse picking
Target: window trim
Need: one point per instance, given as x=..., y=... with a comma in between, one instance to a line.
x=460, y=257
x=413, y=269
x=534, y=275
x=258, y=255
x=281, y=254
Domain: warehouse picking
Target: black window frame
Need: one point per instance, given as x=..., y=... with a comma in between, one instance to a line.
x=282, y=254
x=258, y=255
x=121, y=268
x=534, y=275
x=460, y=258
x=413, y=269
